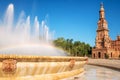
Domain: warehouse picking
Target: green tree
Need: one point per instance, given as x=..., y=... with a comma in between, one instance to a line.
x=75, y=48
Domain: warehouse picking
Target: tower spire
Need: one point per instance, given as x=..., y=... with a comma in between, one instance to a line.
x=101, y=5
x=102, y=23
x=102, y=13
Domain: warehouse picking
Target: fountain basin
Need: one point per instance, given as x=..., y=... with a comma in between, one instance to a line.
x=16, y=67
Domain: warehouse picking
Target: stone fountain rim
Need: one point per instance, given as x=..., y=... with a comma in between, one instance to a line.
x=28, y=58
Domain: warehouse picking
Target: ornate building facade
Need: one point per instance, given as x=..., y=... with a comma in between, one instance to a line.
x=105, y=47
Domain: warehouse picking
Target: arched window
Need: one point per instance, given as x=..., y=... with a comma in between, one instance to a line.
x=94, y=55
x=99, y=55
x=111, y=54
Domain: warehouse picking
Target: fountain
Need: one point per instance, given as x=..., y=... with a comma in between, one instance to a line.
x=26, y=51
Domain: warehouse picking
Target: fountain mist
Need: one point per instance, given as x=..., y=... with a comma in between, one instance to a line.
x=22, y=38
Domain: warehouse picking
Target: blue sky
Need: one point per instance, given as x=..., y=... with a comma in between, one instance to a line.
x=75, y=19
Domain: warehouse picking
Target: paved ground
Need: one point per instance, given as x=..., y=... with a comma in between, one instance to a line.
x=114, y=64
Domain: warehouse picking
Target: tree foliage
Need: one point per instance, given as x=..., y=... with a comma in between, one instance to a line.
x=75, y=48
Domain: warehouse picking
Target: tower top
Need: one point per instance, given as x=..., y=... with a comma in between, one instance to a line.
x=102, y=23
x=102, y=12
x=101, y=6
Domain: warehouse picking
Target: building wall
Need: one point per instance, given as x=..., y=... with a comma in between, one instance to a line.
x=112, y=52
x=99, y=53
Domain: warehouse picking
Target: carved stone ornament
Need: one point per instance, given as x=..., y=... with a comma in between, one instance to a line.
x=72, y=63
x=9, y=66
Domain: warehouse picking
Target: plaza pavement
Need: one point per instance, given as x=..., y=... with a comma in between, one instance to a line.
x=109, y=63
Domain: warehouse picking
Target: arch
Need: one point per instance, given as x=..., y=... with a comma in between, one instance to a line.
x=111, y=54
x=99, y=54
x=94, y=55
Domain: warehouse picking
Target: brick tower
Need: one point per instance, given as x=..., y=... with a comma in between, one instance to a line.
x=102, y=38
